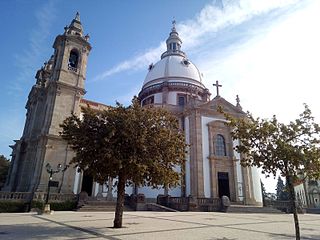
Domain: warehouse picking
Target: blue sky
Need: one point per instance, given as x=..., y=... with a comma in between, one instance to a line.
x=266, y=51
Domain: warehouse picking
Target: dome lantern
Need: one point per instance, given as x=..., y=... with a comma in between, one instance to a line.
x=173, y=77
x=173, y=43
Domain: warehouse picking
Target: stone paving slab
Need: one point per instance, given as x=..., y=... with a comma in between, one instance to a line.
x=157, y=225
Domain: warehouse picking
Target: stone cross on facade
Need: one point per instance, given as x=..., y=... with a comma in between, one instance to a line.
x=217, y=87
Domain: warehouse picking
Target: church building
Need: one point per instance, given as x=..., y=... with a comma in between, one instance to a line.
x=212, y=166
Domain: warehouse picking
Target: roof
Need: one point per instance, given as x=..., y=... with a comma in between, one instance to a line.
x=173, y=68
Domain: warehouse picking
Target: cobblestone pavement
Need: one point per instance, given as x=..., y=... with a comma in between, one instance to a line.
x=156, y=225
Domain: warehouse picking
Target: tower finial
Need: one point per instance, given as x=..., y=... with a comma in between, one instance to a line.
x=75, y=27
x=238, y=102
x=173, y=43
x=174, y=24
x=77, y=17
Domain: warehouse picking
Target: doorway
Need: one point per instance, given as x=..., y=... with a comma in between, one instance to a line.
x=223, y=184
x=87, y=183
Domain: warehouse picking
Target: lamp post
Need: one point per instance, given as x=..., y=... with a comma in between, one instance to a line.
x=51, y=172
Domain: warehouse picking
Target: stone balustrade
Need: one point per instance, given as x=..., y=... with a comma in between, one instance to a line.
x=37, y=196
x=16, y=196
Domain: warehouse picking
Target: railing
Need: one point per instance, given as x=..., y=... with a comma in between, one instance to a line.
x=38, y=196
x=179, y=200
x=285, y=206
x=55, y=197
x=17, y=196
x=190, y=203
x=72, y=68
x=209, y=201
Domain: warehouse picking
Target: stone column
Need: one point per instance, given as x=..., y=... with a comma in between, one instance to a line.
x=99, y=194
x=109, y=194
x=235, y=178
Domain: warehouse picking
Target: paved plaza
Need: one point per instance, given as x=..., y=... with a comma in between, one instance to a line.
x=156, y=225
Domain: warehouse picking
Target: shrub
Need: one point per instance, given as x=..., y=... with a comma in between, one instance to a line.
x=56, y=206
x=63, y=206
x=12, y=206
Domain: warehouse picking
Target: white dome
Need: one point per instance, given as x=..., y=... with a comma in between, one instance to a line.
x=173, y=68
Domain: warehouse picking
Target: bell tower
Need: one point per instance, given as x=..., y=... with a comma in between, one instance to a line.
x=71, y=50
x=57, y=93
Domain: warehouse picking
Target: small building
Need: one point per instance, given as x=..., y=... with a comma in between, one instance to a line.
x=308, y=193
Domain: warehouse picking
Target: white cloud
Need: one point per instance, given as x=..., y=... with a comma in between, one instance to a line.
x=136, y=63
x=211, y=19
x=28, y=60
x=276, y=73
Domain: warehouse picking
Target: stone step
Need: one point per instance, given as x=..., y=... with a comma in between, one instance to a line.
x=100, y=206
x=100, y=203
x=251, y=209
x=101, y=209
x=159, y=208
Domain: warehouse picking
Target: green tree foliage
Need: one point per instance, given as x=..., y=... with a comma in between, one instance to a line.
x=292, y=149
x=134, y=144
x=4, y=168
x=282, y=190
x=264, y=192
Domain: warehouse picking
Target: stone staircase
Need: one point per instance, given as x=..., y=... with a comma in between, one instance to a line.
x=100, y=206
x=251, y=209
x=158, y=208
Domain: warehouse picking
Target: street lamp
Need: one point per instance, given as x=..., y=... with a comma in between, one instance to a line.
x=51, y=171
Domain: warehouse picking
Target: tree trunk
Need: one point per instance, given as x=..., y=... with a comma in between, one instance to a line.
x=117, y=223
x=294, y=207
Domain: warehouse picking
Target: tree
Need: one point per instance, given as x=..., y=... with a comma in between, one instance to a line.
x=282, y=190
x=140, y=145
x=292, y=149
x=264, y=193
x=4, y=168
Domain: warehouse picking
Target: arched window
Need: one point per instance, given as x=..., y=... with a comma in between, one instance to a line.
x=73, y=59
x=220, y=146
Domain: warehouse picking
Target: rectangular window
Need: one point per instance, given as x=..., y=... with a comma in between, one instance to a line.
x=174, y=46
x=181, y=100
x=182, y=123
x=149, y=100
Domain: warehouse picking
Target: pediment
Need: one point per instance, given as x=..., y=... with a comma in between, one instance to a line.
x=227, y=107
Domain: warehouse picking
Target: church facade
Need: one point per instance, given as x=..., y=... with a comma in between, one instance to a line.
x=212, y=166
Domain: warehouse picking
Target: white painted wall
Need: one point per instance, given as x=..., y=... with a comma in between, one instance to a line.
x=95, y=189
x=256, y=184
x=149, y=192
x=239, y=185
x=129, y=190
x=172, y=98
x=300, y=193
x=76, y=182
x=158, y=98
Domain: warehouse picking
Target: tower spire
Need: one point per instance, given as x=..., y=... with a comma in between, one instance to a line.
x=173, y=43
x=173, y=29
x=75, y=27
x=77, y=17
